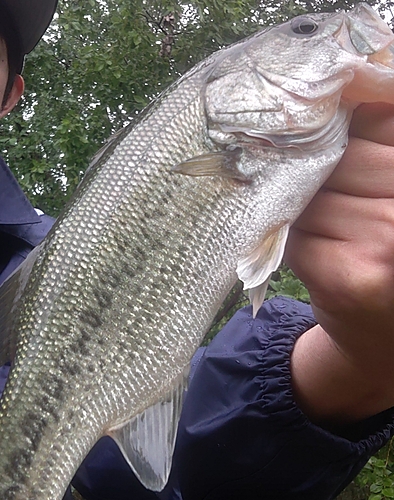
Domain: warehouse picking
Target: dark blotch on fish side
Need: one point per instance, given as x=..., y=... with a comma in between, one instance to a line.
x=72, y=368
x=110, y=278
x=168, y=196
x=15, y=468
x=120, y=244
x=145, y=233
x=82, y=348
x=182, y=250
x=158, y=213
x=149, y=319
x=33, y=428
x=10, y=493
x=65, y=365
x=123, y=346
x=139, y=252
x=146, y=213
x=167, y=235
x=158, y=244
x=44, y=402
x=57, y=447
x=128, y=269
x=91, y=318
x=104, y=299
x=54, y=387
x=75, y=348
x=85, y=335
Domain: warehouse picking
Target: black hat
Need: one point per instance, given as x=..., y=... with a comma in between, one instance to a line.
x=30, y=18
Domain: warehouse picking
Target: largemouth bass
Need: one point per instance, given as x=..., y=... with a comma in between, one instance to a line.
x=102, y=319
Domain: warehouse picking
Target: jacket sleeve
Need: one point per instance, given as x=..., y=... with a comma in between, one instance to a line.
x=18, y=241
x=242, y=435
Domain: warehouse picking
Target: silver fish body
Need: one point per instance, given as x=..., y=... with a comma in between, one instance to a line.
x=105, y=315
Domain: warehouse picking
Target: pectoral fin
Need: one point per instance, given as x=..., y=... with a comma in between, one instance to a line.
x=256, y=268
x=257, y=295
x=222, y=164
x=147, y=440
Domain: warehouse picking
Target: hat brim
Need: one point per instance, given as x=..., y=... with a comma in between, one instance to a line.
x=31, y=18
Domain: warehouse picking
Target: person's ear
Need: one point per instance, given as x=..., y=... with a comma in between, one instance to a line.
x=14, y=96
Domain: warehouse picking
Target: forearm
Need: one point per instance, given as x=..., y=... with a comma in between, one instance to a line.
x=343, y=370
x=334, y=390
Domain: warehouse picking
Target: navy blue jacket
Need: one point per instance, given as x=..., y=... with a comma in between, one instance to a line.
x=21, y=228
x=241, y=434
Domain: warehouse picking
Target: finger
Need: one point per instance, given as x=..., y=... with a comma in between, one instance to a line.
x=340, y=276
x=374, y=122
x=366, y=169
x=344, y=217
x=314, y=259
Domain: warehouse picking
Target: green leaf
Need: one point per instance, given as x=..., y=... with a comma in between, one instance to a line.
x=376, y=488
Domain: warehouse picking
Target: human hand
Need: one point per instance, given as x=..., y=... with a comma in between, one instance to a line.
x=342, y=247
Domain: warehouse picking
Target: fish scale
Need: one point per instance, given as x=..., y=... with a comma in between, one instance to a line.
x=105, y=315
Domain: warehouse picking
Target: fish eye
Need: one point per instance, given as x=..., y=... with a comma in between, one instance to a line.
x=303, y=26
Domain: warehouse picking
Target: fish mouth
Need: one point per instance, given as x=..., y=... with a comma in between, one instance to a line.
x=362, y=32
x=368, y=33
x=366, y=36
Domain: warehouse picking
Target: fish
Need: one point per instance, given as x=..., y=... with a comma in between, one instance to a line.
x=103, y=317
